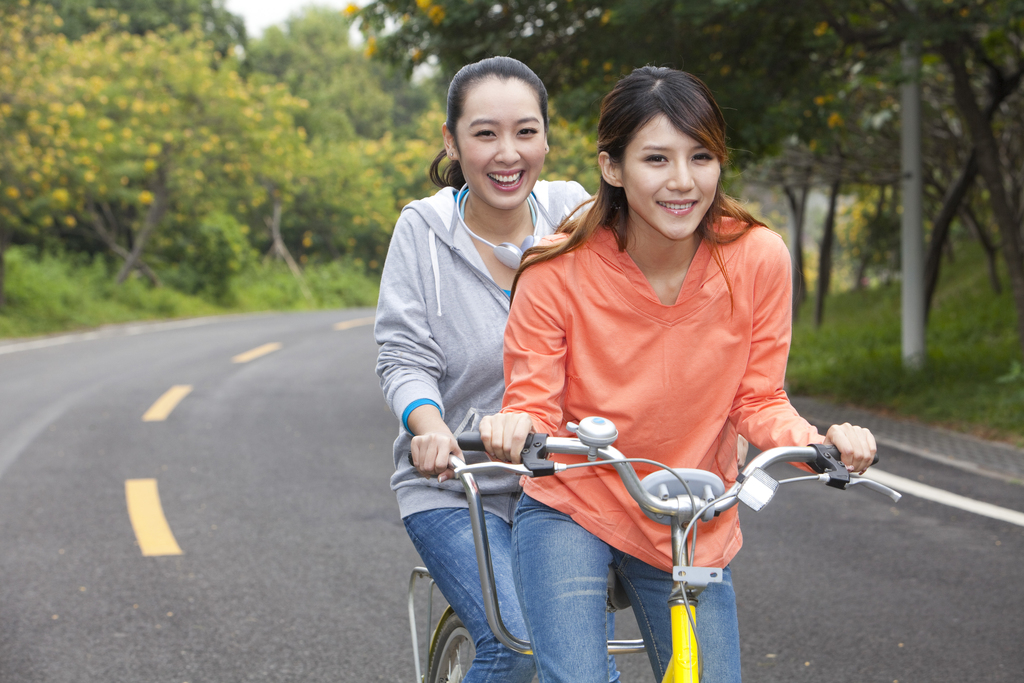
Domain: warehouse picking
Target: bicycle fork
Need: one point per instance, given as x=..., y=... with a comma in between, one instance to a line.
x=690, y=582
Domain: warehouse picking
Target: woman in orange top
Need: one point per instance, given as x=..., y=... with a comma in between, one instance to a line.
x=666, y=308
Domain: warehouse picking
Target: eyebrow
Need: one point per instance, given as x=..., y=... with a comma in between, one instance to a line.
x=660, y=148
x=493, y=122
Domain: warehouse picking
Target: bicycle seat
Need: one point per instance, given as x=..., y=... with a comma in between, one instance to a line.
x=704, y=485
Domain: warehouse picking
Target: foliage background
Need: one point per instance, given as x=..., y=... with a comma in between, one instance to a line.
x=157, y=162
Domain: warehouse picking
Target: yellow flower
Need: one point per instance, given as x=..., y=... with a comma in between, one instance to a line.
x=835, y=120
x=146, y=197
x=351, y=9
x=821, y=29
x=70, y=221
x=12, y=192
x=436, y=14
x=61, y=196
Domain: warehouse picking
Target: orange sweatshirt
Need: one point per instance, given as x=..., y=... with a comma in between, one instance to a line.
x=588, y=336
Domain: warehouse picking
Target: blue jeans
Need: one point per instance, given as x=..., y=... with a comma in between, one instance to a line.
x=444, y=539
x=561, y=571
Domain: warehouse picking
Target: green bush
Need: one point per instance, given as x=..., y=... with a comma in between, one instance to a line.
x=967, y=382
x=52, y=293
x=206, y=258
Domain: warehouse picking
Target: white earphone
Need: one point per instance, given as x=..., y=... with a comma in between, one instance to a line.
x=508, y=254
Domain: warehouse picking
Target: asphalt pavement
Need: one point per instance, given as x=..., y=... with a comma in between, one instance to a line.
x=272, y=476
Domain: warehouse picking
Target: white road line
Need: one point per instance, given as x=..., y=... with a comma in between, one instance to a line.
x=916, y=488
x=129, y=330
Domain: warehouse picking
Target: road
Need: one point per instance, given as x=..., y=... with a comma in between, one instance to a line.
x=271, y=475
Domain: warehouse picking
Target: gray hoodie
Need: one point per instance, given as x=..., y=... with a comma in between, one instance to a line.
x=440, y=325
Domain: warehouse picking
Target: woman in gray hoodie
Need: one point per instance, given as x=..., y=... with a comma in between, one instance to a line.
x=444, y=301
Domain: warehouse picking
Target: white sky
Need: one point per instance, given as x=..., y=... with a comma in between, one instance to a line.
x=259, y=14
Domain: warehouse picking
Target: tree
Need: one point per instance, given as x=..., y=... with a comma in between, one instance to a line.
x=161, y=127
x=348, y=94
x=223, y=28
x=981, y=46
x=33, y=134
x=785, y=73
x=580, y=48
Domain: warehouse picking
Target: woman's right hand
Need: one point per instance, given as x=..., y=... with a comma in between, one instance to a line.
x=430, y=454
x=504, y=435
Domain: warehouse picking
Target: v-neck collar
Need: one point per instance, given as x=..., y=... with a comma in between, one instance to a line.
x=634, y=288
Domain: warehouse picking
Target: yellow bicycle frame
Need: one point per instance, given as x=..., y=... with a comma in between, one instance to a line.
x=684, y=667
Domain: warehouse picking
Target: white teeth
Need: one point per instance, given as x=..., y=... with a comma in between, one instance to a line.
x=677, y=207
x=505, y=179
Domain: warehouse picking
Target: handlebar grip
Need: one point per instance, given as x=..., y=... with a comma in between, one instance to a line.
x=829, y=460
x=534, y=454
x=470, y=441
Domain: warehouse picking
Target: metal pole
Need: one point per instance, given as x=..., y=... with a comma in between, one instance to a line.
x=912, y=232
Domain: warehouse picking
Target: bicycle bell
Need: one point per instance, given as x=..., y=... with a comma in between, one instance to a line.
x=594, y=432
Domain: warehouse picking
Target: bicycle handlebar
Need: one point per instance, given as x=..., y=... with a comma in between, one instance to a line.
x=825, y=460
x=595, y=436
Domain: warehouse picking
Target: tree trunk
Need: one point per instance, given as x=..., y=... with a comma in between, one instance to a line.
x=940, y=228
x=797, y=210
x=156, y=211
x=968, y=217
x=109, y=238
x=990, y=168
x=280, y=249
x=5, y=239
x=825, y=253
x=865, y=259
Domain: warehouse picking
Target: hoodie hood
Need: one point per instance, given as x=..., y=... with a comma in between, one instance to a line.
x=551, y=201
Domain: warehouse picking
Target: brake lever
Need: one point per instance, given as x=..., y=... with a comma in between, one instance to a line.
x=871, y=484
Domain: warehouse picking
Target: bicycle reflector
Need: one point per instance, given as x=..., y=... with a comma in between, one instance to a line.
x=757, y=490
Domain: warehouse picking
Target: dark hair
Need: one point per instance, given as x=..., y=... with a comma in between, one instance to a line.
x=634, y=101
x=502, y=68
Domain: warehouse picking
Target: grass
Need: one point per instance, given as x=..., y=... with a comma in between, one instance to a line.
x=52, y=294
x=971, y=380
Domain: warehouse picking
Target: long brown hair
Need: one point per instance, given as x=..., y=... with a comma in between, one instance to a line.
x=634, y=101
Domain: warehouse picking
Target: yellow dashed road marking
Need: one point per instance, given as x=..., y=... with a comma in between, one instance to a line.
x=159, y=411
x=349, y=324
x=147, y=516
x=253, y=354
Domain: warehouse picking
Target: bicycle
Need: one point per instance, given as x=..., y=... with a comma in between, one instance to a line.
x=677, y=497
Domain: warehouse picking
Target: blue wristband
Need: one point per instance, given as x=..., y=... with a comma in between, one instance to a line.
x=413, y=406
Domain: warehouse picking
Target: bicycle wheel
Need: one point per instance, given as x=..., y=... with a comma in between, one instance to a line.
x=453, y=653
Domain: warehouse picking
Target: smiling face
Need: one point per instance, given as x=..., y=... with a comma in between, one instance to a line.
x=500, y=142
x=670, y=181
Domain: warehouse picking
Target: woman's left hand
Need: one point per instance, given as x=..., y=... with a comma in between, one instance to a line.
x=856, y=444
